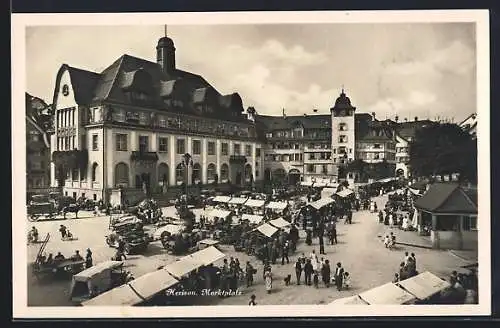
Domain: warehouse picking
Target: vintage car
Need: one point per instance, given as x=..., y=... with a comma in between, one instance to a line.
x=58, y=268
x=97, y=279
x=131, y=233
x=41, y=205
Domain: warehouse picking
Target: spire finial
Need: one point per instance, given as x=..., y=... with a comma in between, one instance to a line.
x=165, y=30
x=342, y=88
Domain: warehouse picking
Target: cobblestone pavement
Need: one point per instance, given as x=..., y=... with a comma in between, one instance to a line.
x=360, y=250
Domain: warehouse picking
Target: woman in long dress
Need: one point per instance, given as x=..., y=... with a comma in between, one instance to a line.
x=269, y=281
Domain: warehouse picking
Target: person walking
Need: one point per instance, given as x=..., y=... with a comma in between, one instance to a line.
x=252, y=301
x=249, y=274
x=268, y=277
x=325, y=273
x=284, y=253
x=321, y=245
x=339, y=275
x=298, y=270
x=308, y=270
x=88, y=259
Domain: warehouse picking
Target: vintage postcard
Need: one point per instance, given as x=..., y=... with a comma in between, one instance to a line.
x=284, y=164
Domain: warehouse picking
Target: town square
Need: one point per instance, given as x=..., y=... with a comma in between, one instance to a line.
x=154, y=179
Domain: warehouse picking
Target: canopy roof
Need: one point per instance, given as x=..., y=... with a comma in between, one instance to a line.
x=119, y=296
x=222, y=199
x=152, y=283
x=322, y=202
x=424, y=285
x=219, y=213
x=385, y=180
x=173, y=229
x=277, y=205
x=267, y=229
x=320, y=184
x=351, y=300
x=255, y=202
x=332, y=184
x=182, y=267
x=345, y=192
x=388, y=294
x=306, y=183
x=208, y=255
x=447, y=198
x=209, y=241
x=237, y=200
x=280, y=223
x=98, y=268
x=252, y=218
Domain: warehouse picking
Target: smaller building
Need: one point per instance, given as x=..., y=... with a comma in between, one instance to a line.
x=37, y=147
x=450, y=211
x=470, y=125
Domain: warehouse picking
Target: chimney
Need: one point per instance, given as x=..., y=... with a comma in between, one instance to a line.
x=315, y=110
x=416, y=118
x=396, y=119
x=373, y=115
x=284, y=115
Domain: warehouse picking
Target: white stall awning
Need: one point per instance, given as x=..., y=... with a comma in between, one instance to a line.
x=351, y=300
x=424, y=285
x=252, y=218
x=345, y=192
x=207, y=256
x=222, y=199
x=277, y=205
x=280, y=223
x=320, y=203
x=238, y=200
x=217, y=213
x=267, y=229
x=388, y=294
x=255, y=203
x=306, y=183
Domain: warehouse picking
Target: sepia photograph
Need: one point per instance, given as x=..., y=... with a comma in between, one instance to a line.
x=230, y=163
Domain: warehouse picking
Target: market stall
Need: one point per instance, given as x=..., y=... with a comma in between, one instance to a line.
x=237, y=201
x=388, y=294
x=280, y=223
x=253, y=219
x=351, y=300
x=267, y=230
x=222, y=199
x=424, y=285
x=322, y=202
x=345, y=193
x=277, y=206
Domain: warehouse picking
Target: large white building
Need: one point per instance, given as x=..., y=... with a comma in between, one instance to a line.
x=130, y=127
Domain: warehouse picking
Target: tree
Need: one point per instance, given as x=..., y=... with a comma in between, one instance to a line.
x=443, y=149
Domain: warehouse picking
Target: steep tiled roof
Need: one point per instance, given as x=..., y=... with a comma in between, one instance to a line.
x=447, y=198
x=83, y=82
x=289, y=122
x=409, y=129
x=368, y=129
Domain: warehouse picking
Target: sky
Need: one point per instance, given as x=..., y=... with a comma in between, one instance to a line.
x=424, y=70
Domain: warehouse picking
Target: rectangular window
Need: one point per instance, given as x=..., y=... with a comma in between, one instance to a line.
x=163, y=144
x=310, y=168
x=376, y=146
x=248, y=150
x=237, y=149
x=121, y=142
x=257, y=152
x=162, y=122
x=196, y=147
x=143, y=143
x=181, y=146
x=470, y=223
x=95, y=142
x=225, y=149
x=342, y=127
x=342, y=139
x=211, y=148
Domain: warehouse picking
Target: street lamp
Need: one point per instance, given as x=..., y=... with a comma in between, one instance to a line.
x=186, y=162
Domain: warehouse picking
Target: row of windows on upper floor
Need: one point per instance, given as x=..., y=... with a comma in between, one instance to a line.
x=121, y=144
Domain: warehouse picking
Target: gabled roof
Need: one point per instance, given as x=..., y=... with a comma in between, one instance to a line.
x=448, y=198
x=372, y=130
x=39, y=129
x=271, y=123
x=83, y=82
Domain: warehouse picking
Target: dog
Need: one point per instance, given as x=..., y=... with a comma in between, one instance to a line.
x=287, y=279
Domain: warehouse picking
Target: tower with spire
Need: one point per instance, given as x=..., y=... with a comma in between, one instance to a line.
x=343, y=130
x=165, y=54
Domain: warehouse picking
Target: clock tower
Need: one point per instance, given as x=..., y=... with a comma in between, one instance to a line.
x=343, y=130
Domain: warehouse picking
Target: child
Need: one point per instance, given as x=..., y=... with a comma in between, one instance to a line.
x=316, y=279
x=252, y=300
x=346, y=282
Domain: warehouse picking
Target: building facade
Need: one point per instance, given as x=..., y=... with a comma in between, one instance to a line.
x=37, y=147
x=148, y=126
